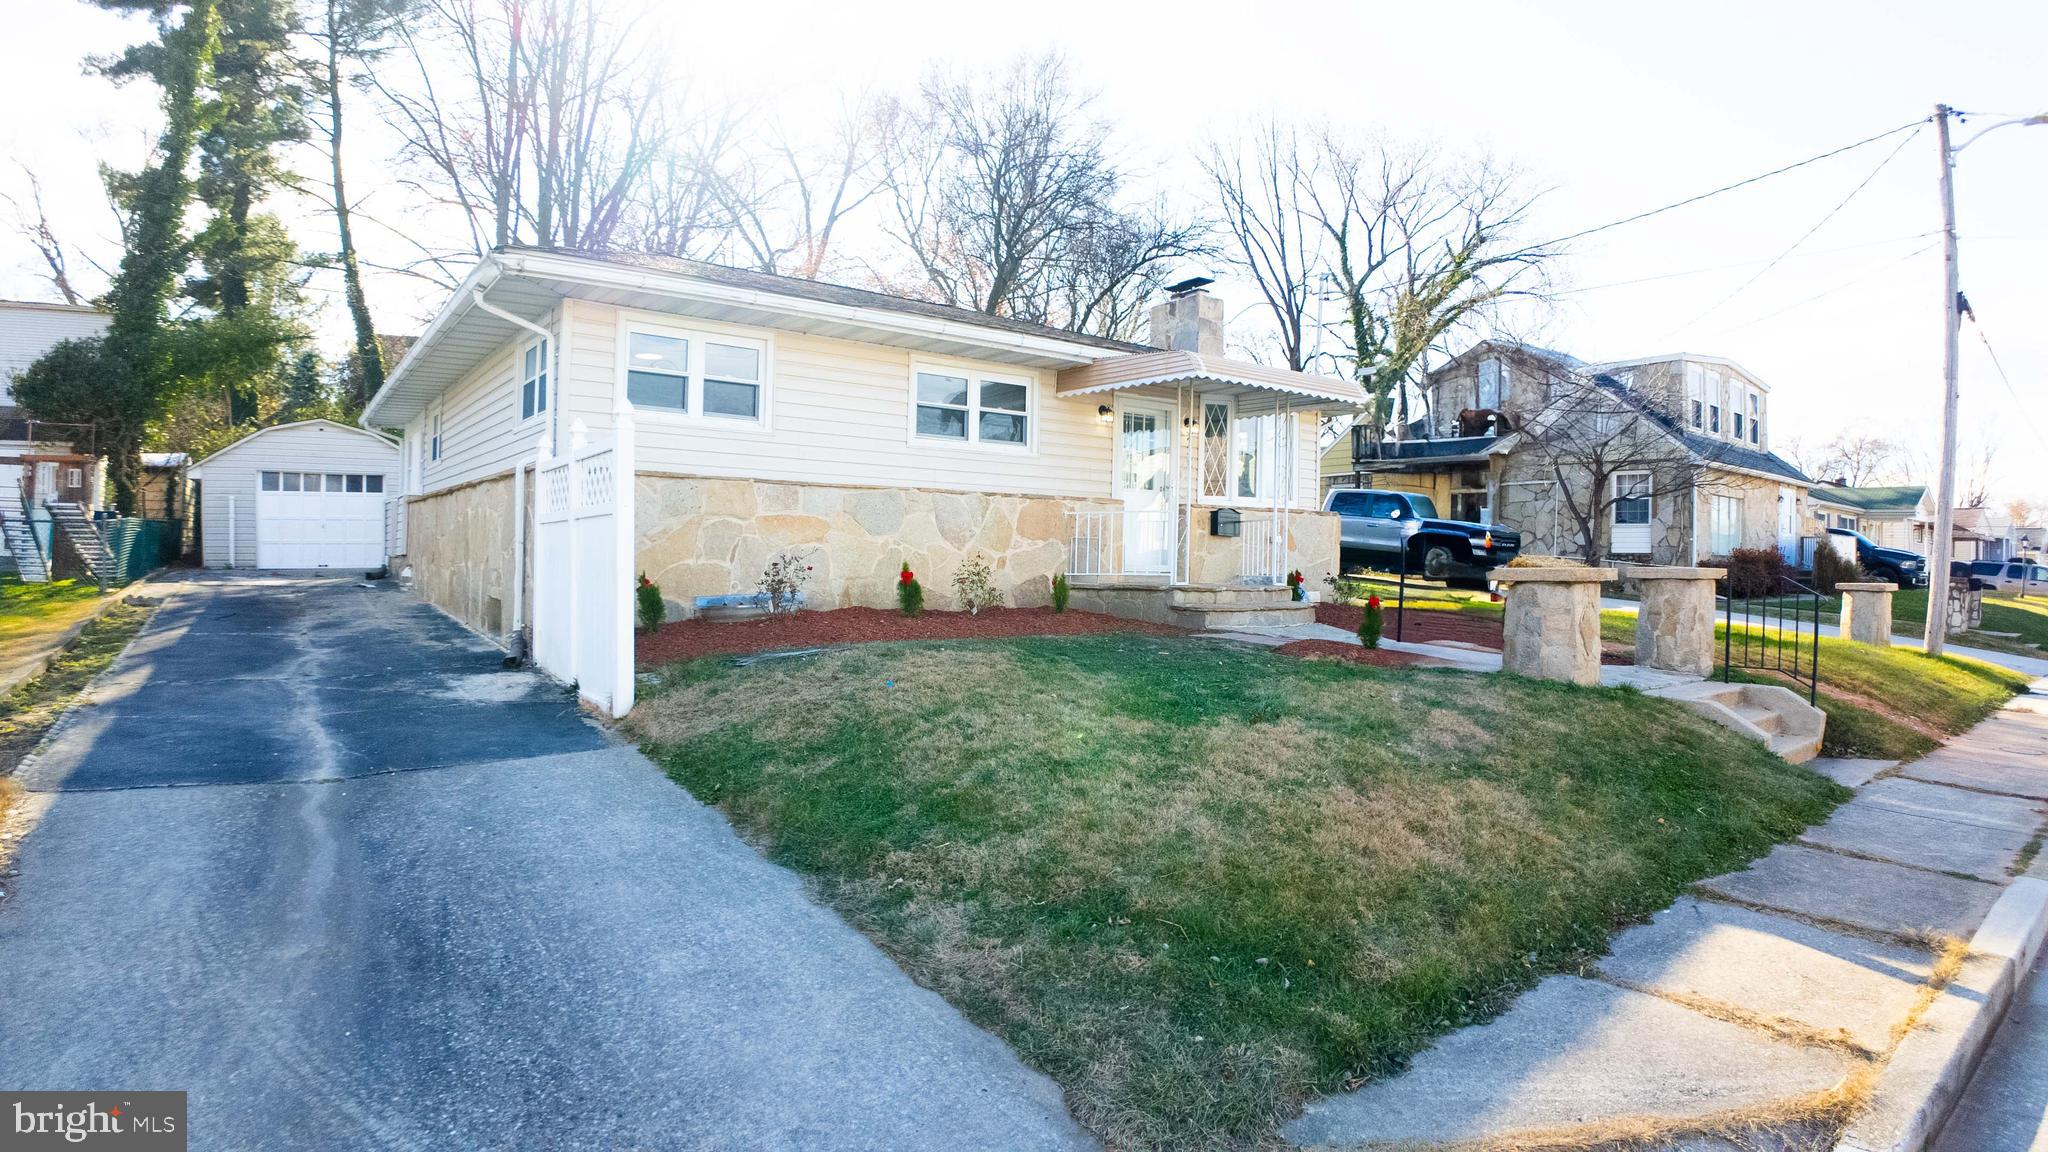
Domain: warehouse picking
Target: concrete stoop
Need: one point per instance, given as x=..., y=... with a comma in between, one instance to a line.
x=1771, y=715
x=1200, y=607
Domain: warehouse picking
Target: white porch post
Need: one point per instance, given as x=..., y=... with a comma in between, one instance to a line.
x=624, y=535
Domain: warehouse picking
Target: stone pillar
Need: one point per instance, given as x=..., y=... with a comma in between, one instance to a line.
x=1965, y=606
x=1552, y=630
x=1675, y=625
x=1867, y=612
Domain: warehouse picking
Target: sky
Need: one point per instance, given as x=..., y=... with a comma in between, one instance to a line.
x=1609, y=109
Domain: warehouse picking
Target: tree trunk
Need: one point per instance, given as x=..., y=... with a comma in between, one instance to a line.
x=369, y=357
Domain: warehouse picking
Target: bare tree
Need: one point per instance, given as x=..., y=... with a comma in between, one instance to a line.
x=1601, y=446
x=786, y=206
x=1859, y=459
x=1265, y=187
x=1006, y=199
x=33, y=223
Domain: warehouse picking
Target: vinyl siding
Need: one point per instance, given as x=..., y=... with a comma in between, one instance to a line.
x=310, y=448
x=482, y=434
x=29, y=330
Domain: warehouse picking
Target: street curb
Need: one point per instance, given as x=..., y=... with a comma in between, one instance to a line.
x=41, y=663
x=1931, y=1067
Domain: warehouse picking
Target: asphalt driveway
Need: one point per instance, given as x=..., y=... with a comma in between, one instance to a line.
x=312, y=856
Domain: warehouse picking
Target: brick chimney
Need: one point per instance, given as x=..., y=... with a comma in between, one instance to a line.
x=1190, y=320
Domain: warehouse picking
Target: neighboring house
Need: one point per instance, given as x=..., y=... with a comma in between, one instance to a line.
x=307, y=495
x=1475, y=451
x=37, y=464
x=1891, y=516
x=1993, y=534
x=860, y=430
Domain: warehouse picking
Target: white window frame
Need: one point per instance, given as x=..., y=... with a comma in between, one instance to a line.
x=762, y=343
x=1500, y=378
x=975, y=375
x=542, y=376
x=1229, y=495
x=1716, y=504
x=1756, y=419
x=1275, y=471
x=434, y=437
x=1649, y=494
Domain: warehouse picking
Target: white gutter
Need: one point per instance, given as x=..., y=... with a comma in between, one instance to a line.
x=476, y=281
x=553, y=346
x=685, y=287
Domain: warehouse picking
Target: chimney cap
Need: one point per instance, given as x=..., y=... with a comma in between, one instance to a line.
x=1192, y=284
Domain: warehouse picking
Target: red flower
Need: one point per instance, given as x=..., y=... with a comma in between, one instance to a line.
x=644, y=581
x=906, y=577
x=1372, y=601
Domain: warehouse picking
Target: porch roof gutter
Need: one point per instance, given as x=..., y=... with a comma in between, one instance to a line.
x=1182, y=367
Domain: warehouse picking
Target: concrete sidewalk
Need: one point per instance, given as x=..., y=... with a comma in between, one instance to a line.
x=1771, y=1000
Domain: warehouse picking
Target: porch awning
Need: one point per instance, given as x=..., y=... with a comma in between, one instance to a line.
x=1178, y=367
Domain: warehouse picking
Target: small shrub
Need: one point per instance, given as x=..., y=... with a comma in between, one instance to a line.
x=1060, y=592
x=909, y=593
x=1831, y=568
x=1370, y=623
x=1296, y=585
x=784, y=581
x=1753, y=571
x=975, y=584
x=647, y=598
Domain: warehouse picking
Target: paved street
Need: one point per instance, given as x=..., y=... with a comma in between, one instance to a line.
x=313, y=856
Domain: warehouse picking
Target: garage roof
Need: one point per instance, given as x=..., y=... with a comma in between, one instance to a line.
x=379, y=437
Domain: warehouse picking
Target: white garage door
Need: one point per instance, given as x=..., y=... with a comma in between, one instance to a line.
x=320, y=520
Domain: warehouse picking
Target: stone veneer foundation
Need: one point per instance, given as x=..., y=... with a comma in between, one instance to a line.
x=714, y=537
x=459, y=546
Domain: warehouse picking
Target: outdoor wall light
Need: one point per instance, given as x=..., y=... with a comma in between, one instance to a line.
x=1103, y=410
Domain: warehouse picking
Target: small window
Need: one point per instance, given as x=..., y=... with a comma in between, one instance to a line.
x=1755, y=419
x=658, y=371
x=291, y=481
x=732, y=380
x=336, y=482
x=74, y=478
x=1713, y=417
x=434, y=444
x=1632, y=498
x=373, y=484
x=1002, y=412
x=1696, y=406
x=355, y=482
x=942, y=406
x=533, y=381
x=1738, y=425
x=270, y=481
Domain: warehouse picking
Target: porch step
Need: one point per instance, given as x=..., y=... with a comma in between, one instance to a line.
x=1202, y=607
x=18, y=541
x=1776, y=717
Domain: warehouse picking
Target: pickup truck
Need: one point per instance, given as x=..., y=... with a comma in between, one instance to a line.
x=1381, y=528
x=1906, y=569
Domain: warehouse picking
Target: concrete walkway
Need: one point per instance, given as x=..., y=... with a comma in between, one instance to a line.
x=311, y=854
x=1461, y=657
x=1750, y=1004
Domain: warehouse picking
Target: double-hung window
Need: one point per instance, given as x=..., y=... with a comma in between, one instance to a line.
x=1756, y=420
x=706, y=374
x=1725, y=525
x=434, y=441
x=971, y=408
x=533, y=380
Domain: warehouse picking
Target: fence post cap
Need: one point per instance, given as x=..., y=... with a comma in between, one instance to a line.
x=1511, y=575
x=1868, y=586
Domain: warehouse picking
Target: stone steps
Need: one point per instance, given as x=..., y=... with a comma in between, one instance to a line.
x=1202, y=608
x=1776, y=717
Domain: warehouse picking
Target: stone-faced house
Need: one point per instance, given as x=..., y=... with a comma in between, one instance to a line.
x=1490, y=446
x=693, y=422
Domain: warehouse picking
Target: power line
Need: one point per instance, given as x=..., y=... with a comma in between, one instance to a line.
x=1805, y=236
x=1737, y=264
x=2007, y=380
x=1730, y=187
x=1850, y=283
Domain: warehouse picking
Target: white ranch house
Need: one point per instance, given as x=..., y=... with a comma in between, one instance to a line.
x=571, y=421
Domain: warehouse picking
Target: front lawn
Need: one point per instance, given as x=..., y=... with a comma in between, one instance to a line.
x=1197, y=882
x=33, y=706
x=30, y=609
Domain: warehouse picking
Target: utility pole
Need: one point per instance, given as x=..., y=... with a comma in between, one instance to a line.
x=1951, y=324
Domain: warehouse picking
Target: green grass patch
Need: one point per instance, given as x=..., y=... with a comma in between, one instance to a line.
x=1420, y=596
x=1197, y=883
x=36, y=704
x=27, y=610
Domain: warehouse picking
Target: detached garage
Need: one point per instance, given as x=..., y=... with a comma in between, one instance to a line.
x=297, y=496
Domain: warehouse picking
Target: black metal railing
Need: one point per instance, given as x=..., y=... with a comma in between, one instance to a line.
x=1778, y=633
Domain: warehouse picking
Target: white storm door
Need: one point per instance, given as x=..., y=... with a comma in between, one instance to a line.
x=1788, y=524
x=1144, y=472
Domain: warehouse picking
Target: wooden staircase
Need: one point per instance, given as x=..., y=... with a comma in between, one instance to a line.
x=76, y=527
x=18, y=540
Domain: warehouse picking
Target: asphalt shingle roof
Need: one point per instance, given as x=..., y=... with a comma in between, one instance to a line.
x=1885, y=498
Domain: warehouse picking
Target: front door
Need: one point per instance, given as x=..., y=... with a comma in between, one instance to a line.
x=47, y=491
x=1788, y=525
x=1144, y=470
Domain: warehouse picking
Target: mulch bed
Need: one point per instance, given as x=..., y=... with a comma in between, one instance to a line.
x=1338, y=650
x=1424, y=625
x=690, y=639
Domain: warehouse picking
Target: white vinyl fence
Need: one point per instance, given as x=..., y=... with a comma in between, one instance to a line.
x=583, y=565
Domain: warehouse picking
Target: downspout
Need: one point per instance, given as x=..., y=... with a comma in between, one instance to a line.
x=519, y=471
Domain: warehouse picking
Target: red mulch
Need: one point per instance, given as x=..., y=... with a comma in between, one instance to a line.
x=1424, y=625
x=689, y=639
x=1338, y=650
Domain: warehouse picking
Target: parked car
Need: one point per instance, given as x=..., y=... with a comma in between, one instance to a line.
x=1906, y=569
x=1383, y=529
x=2015, y=577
